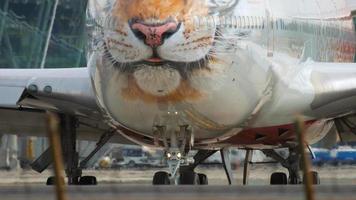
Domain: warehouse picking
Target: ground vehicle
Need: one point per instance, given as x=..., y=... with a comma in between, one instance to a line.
x=322, y=156
x=129, y=156
x=343, y=155
x=337, y=156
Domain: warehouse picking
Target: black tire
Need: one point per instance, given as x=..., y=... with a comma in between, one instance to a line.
x=189, y=178
x=315, y=178
x=51, y=181
x=161, y=178
x=279, y=178
x=203, y=179
x=88, y=180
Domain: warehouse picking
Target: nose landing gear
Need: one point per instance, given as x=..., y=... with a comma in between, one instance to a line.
x=178, y=142
x=178, y=174
x=176, y=154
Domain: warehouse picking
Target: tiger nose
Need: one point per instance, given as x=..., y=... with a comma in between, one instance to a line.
x=154, y=35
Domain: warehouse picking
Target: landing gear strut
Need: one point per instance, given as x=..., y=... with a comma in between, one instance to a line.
x=176, y=153
x=71, y=157
x=227, y=164
x=247, y=166
x=73, y=169
x=69, y=141
x=181, y=166
x=292, y=164
x=188, y=170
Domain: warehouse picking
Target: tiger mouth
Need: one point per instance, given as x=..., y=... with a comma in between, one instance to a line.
x=154, y=60
x=184, y=68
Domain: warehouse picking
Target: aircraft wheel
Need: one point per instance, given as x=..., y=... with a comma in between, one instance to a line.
x=161, y=178
x=189, y=178
x=315, y=178
x=51, y=180
x=279, y=178
x=88, y=180
x=203, y=179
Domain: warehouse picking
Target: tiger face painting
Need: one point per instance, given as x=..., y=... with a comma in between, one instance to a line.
x=152, y=58
x=156, y=44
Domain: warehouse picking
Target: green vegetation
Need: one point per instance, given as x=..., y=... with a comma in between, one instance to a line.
x=24, y=26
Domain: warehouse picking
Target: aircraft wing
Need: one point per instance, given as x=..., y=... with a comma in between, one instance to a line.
x=64, y=90
x=335, y=97
x=25, y=95
x=334, y=87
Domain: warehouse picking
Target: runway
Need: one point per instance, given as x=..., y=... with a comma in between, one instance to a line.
x=137, y=192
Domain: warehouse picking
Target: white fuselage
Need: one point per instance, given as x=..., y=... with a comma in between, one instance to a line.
x=259, y=79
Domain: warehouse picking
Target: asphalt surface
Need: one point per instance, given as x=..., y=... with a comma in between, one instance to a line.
x=139, y=192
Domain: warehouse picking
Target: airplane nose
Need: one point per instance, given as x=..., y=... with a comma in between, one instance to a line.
x=154, y=35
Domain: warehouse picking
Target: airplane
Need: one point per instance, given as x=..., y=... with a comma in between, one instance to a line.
x=203, y=75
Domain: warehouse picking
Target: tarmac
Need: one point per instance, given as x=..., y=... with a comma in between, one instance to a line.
x=337, y=183
x=260, y=175
x=140, y=192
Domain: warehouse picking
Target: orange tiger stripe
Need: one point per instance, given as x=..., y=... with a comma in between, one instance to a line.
x=159, y=9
